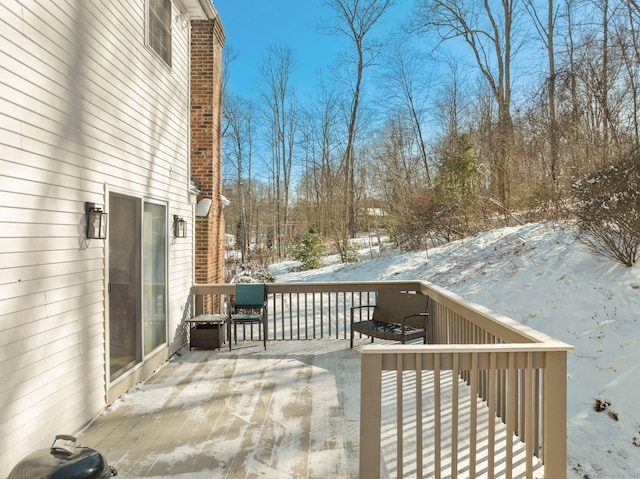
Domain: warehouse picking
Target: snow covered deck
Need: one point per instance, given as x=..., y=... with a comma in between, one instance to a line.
x=485, y=398
x=289, y=412
x=292, y=411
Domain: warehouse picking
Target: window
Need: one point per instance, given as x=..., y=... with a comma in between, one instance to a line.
x=159, y=28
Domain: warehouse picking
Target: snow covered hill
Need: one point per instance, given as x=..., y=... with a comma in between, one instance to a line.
x=540, y=275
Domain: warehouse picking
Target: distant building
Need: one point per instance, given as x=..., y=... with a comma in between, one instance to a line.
x=375, y=212
x=113, y=106
x=230, y=240
x=370, y=218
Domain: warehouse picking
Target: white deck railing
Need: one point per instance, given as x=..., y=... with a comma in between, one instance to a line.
x=485, y=398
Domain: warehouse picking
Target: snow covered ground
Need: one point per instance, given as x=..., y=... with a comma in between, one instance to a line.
x=540, y=275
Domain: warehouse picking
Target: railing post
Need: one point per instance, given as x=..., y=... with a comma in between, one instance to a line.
x=554, y=426
x=370, y=413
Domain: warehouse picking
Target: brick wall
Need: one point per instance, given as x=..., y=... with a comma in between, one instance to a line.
x=207, y=40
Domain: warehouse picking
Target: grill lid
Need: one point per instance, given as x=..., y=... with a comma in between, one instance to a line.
x=65, y=460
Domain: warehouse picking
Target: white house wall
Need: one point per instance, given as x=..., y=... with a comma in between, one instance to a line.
x=85, y=108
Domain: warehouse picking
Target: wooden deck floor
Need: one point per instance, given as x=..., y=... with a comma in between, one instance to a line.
x=289, y=412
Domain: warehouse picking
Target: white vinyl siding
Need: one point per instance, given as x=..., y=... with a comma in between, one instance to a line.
x=85, y=107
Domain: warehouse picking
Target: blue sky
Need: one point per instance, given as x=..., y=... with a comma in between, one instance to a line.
x=251, y=25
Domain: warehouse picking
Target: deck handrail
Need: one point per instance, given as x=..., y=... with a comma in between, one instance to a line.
x=514, y=372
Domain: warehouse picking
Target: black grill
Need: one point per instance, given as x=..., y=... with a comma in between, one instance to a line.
x=65, y=460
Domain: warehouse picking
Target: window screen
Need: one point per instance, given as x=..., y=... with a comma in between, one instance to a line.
x=159, y=16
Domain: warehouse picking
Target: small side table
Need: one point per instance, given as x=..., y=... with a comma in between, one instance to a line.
x=206, y=331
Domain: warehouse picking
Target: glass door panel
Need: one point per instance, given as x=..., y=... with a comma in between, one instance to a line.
x=154, y=276
x=124, y=283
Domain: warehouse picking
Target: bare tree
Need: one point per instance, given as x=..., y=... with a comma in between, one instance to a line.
x=568, y=97
x=406, y=82
x=450, y=107
x=237, y=118
x=279, y=96
x=229, y=55
x=447, y=104
x=354, y=19
x=487, y=29
x=321, y=185
x=600, y=67
x=395, y=169
x=545, y=26
x=599, y=90
x=628, y=39
x=237, y=115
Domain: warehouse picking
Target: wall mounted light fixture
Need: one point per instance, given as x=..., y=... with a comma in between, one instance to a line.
x=96, y=221
x=179, y=227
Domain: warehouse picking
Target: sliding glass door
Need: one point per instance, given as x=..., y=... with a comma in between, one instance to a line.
x=137, y=280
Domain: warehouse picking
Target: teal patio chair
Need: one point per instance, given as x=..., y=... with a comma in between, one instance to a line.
x=249, y=306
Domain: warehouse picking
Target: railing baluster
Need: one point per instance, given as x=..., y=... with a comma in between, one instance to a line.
x=329, y=319
x=537, y=410
x=290, y=308
x=344, y=314
x=492, y=415
x=338, y=296
x=473, y=426
x=321, y=315
x=511, y=413
x=419, y=431
x=306, y=317
x=501, y=399
x=455, y=407
x=522, y=426
x=282, y=324
x=296, y=318
x=529, y=434
x=399, y=413
x=437, y=414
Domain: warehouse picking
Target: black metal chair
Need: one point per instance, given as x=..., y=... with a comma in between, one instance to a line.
x=249, y=306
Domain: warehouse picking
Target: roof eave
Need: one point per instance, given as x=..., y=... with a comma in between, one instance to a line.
x=198, y=9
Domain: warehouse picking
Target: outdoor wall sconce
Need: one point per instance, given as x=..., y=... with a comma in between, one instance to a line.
x=179, y=227
x=96, y=221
